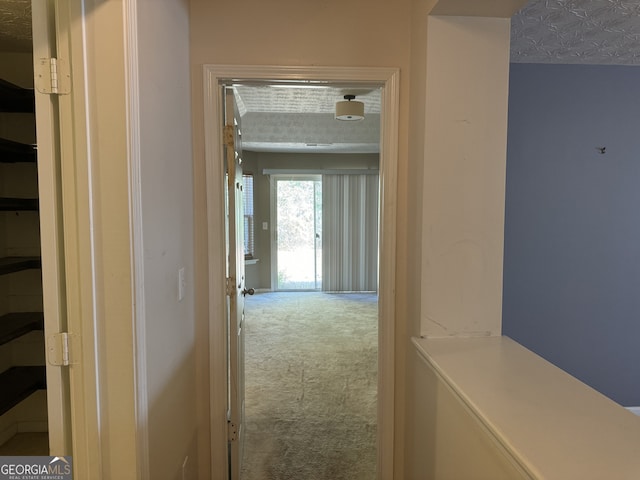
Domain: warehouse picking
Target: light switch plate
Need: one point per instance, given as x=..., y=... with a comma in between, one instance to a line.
x=182, y=284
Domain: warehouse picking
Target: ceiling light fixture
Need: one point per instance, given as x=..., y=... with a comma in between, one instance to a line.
x=349, y=110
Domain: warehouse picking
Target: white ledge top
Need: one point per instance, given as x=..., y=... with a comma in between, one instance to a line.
x=555, y=426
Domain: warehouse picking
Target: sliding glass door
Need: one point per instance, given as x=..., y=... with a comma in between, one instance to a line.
x=298, y=233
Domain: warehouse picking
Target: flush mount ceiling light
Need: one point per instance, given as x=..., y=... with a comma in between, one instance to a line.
x=349, y=110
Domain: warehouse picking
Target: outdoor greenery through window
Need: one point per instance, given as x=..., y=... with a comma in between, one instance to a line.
x=299, y=232
x=249, y=238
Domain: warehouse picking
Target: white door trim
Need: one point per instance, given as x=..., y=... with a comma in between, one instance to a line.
x=137, y=239
x=51, y=245
x=388, y=79
x=74, y=203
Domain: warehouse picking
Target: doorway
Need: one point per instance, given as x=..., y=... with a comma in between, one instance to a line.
x=298, y=233
x=35, y=408
x=387, y=80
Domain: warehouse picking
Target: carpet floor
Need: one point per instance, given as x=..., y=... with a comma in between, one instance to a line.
x=311, y=386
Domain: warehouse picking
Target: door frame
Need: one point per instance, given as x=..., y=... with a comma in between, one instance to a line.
x=47, y=120
x=388, y=79
x=66, y=242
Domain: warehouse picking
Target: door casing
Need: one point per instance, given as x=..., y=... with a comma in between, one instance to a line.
x=388, y=80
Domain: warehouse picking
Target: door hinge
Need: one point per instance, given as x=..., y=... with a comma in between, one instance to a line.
x=231, y=286
x=232, y=431
x=228, y=136
x=61, y=348
x=52, y=76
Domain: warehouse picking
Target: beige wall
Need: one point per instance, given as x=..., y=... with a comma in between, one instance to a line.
x=354, y=33
x=384, y=33
x=289, y=32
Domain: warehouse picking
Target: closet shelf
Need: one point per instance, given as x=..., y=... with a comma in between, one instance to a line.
x=17, y=383
x=15, y=152
x=16, y=99
x=17, y=264
x=18, y=204
x=14, y=325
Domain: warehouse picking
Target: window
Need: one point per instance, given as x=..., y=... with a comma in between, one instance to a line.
x=249, y=237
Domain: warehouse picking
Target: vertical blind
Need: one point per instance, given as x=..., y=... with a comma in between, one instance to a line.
x=350, y=233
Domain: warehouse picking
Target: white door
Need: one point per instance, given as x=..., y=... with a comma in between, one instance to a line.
x=235, y=282
x=48, y=129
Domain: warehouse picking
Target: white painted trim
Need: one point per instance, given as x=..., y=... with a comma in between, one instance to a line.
x=634, y=410
x=136, y=241
x=299, y=174
x=388, y=79
x=213, y=108
x=58, y=408
x=390, y=103
x=79, y=243
x=273, y=237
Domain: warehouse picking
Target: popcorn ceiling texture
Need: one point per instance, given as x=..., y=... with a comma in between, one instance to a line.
x=301, y=119
x=318, y=99
x=605, y=32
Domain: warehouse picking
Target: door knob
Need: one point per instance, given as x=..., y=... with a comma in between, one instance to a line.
x=250, y=291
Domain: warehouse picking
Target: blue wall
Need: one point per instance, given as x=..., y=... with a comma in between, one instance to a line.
x=572, y=231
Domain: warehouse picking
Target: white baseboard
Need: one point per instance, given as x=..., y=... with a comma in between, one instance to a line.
x=635, y=410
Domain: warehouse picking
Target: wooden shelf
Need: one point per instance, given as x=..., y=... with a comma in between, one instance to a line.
x=19, y=204
x=17, y=383
x=17, y=264
x=16, y=99
x=14, y=325
x=15, y=152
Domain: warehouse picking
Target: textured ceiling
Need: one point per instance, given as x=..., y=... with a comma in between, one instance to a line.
x=290, y=118
x=302, y=98
x=603, y=32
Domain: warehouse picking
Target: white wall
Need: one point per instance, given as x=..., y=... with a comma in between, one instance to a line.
x=464, y=175
x=451, y=443
x=166, y=172
x=459, y=79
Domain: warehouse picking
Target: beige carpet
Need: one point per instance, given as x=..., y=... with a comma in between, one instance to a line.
x=311, y=386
